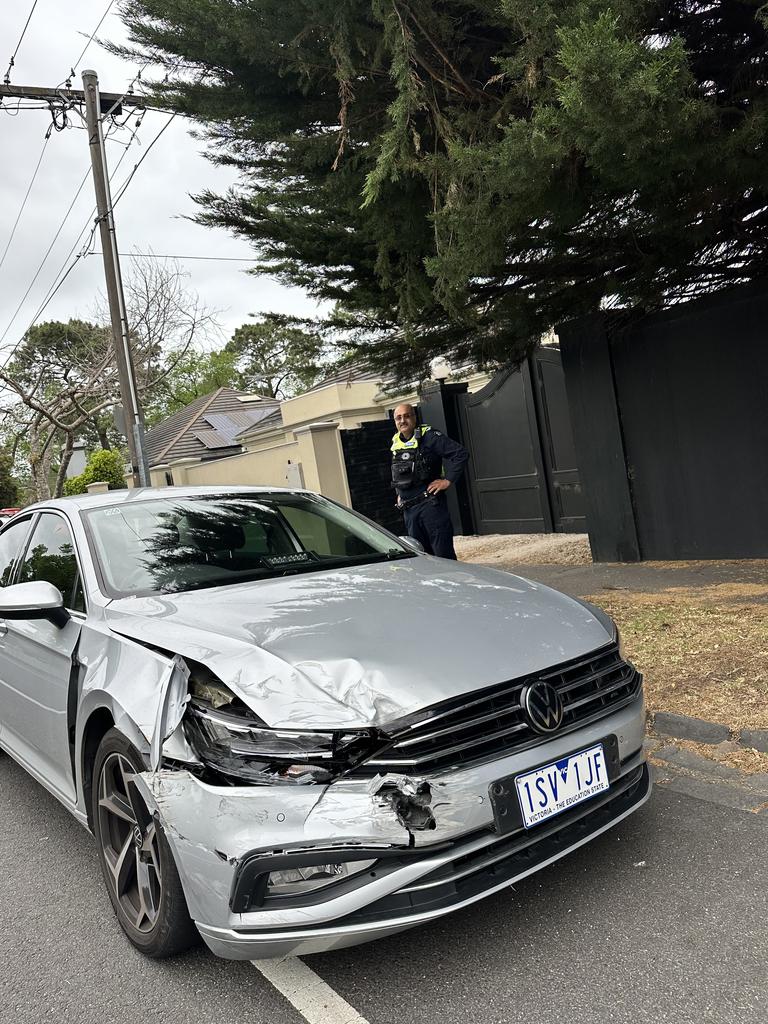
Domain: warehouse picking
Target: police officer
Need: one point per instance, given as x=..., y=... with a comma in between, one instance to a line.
x=424, y=465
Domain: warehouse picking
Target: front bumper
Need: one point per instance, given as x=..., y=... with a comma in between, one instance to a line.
x=422, y=875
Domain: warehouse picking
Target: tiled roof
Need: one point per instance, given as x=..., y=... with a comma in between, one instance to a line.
x=208, y=427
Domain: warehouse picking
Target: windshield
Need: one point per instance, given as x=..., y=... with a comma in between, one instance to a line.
x=181, y=543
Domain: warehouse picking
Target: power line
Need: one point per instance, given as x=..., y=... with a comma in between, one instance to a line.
x=12, y=61
x=63, y=274
x=26, y=196
x=128, y=90
x=58, y=282
x=59, y=279
x=90, y=39
x=144, y=156
x=47, y=254
x=175, y=256
x=27, y=106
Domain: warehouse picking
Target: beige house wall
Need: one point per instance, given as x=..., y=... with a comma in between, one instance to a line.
x=306, y=449
x=348, y=405
x=267, y=468
x=342, y=402
x=322, y=460
x=283, y=435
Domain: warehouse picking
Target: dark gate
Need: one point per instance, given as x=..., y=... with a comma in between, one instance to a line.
x=556, y=437
x=524, y=477
x=669, y=415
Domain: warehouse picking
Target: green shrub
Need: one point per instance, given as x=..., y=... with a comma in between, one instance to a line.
x=101, y=465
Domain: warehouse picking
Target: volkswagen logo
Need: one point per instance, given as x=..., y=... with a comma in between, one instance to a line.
x=543, y=706
x=138, y=837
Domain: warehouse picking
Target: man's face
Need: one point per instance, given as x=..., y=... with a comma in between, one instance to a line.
x=405, y=421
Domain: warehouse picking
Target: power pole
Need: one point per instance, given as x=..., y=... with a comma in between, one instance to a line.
x=134, y=422
x=96, y=106
x=63, y=97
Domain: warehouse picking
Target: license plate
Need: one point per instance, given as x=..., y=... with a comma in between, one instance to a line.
x=556, y=787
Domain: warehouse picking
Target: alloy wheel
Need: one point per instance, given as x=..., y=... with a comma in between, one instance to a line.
x=129, y=843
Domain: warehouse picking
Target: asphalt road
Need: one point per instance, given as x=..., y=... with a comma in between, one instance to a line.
x=665, y=918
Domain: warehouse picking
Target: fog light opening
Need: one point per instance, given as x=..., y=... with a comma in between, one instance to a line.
x=299, y=880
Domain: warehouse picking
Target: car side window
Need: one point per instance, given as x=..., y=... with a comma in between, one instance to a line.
x=50, y=556
x=10, y=549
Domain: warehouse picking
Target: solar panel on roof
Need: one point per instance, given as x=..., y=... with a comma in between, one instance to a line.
x=213, y=439
x=267, y=423
x=245, y=418
x=230, y=424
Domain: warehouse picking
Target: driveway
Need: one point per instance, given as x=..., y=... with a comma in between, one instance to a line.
x=663, y=918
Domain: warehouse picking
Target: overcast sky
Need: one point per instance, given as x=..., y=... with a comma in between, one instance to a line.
x=150, y=217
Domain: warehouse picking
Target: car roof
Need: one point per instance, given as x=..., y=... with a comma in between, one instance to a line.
x=133, y=494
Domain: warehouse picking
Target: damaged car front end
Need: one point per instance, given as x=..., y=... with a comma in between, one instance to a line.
x=309, y=842
x=290, y=729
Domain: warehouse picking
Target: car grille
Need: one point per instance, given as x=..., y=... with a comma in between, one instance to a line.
x=490, y=723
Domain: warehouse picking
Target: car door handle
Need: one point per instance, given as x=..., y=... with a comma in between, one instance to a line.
x=3, y=627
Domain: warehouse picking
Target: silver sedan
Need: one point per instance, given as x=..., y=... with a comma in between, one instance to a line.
x=287, y=729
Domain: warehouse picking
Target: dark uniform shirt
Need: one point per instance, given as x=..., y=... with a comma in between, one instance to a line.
x=446, y=459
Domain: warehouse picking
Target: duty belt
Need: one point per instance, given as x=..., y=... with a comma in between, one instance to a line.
x=415, y=501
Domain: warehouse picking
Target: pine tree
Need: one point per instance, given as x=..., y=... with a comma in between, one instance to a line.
x=457, y=176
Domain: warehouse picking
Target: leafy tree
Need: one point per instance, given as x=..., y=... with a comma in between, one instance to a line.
x=62, y=378
x=457, y=176
x=272, y=356
x=191, y=376
x=9, y=488
x=275, y=356
x=108, y=466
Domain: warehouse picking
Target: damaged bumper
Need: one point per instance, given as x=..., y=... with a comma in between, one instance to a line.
x=412, y=849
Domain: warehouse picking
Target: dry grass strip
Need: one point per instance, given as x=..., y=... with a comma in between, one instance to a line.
x=703, y=651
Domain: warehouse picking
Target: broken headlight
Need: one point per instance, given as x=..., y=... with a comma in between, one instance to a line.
x=239, y=745
x=297, y=881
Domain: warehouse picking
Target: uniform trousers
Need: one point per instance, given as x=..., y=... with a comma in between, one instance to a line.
x=429, y=522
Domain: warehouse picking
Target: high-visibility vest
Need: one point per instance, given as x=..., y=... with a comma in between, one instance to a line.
x=398, y=444
x=409, y=466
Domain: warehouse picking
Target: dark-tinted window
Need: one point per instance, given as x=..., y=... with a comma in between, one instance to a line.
x=10, y=548
x=50, y=556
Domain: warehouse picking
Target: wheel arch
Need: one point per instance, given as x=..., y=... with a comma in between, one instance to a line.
x=96, y=727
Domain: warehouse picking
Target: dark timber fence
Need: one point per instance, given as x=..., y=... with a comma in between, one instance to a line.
x=670, y=422
x=367, y=458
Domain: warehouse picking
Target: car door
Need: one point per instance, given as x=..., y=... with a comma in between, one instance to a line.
x=36, y=661
x=11, y=546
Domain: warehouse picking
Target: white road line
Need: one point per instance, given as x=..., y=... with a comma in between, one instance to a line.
x=315, y=1001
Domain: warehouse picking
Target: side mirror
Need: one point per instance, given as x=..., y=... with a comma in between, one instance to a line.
x=36, y=600
x=414, y=544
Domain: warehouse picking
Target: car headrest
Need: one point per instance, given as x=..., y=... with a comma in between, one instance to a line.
x=212, y=534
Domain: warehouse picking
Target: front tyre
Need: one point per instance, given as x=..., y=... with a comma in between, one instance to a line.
x=136, y=860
